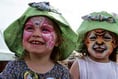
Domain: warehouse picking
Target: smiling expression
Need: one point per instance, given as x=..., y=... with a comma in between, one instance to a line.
x=39, y=34
x=100, y=43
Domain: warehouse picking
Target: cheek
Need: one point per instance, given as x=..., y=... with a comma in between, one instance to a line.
x=50, y=39
x=89, y=44
x=110, y=46
x=26, y=35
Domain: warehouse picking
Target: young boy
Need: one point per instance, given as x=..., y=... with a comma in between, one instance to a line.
x=98, y=42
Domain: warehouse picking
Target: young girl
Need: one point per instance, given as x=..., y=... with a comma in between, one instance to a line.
x=39, y=38
x=98, y=41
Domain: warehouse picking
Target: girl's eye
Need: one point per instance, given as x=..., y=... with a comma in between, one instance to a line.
x=29, y=28
x=46, y=30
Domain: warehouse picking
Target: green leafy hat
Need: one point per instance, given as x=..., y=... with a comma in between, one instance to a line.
x=95, y=20
x=13, y=34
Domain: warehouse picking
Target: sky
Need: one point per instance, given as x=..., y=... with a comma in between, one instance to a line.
x=72, y=10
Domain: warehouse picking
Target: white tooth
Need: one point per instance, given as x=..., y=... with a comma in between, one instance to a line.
x=36, y=42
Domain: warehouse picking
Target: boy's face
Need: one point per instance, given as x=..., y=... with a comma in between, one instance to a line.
x=39, y=35
x=100, y=43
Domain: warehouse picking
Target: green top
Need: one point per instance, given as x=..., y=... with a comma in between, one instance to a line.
x=96, y=20
x=13, y=34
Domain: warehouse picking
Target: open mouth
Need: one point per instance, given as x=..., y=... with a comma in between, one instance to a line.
x=99, y=50
x=36, y=42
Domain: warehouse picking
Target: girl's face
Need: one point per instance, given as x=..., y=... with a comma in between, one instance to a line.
x=39, y=35
x=100, y=43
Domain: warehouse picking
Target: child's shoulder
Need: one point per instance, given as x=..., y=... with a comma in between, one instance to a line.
x=83, y=58
x=59, y=65
x=114, y=64
x=16, y=63
x=15, y=66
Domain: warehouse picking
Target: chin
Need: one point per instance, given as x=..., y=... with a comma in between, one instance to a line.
x=100, y=56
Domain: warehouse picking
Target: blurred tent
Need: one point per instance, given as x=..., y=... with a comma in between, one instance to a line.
x=5, y=53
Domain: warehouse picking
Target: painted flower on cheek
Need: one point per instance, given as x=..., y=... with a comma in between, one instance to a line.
x=49, y=38
x=48, y=35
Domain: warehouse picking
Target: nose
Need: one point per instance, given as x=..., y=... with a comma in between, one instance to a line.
x=36, y=33
x=99, y=42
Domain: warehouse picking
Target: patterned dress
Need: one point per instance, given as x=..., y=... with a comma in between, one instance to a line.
x=19, y=70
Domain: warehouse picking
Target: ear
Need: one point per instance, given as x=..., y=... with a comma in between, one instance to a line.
x=115, y=43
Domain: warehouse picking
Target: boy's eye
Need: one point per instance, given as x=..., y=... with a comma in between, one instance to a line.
x=92, y=38
x=107, y=37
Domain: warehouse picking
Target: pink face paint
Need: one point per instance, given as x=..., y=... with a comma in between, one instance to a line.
x=48, y=35
x=45, y=27
x=37, y=21
x=28, y=30
x=49, y=38
x=48, y=32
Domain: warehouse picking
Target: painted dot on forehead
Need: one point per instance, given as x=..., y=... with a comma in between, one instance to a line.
x=40, y=20
x=37, y=21
x=47, y=21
